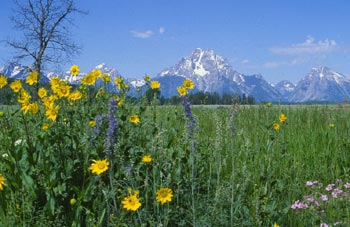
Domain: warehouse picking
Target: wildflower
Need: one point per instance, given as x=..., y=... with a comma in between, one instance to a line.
x=346, y=185
x=331, y=125
x=2, y=182
x=34, y=108
x=164, y=195
x=323, y=225
x=182, y=91
x=1, y=113
x=188, y=84
x=282, y=118
x=118, y=80
x=336, y=192
x=92, y=124
x=112, y=126
x=131, y=202
x=74, y=96
x=74, y=70
x=106, y=78
x=324, y=197
x=299, y=205
x=269, y=104
x=42, y=92
x=147, y=78
x=275, y=225
x=97, y=73
x=3, y=81
x=52, y=112
x=155, y=85
x=72, y=201
x=16, y=85
x=188, y=113
x=45, y=127
x=99, y=166
x=330, y=187
x=276, y=126
x=134, y=119
x=18, y=142
x=89, y=79
x=32, y=78
x=147, y=158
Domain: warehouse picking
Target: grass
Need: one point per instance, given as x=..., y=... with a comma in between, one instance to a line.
x=226, y=167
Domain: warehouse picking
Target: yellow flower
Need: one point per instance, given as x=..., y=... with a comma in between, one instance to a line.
x=3, y=81
x=92, y=124
x=45, y=127
x=331, y=125
x=16, y=85
x=276, y=126
x=72, y=201
x=2, y=182
x=74, y=96
x=147, y=158
x=23, y=96
x=34, y=108
x=106, y=78
x=182, y=91
x=275, y=225
x=99, y=166
x=26, y=106
x=147, y=78
x=89, y=79
x=164, y=195
x=32, y=78
x=42, y=92
x=282, y=118
x=74, y=70
x=51, y=112
x=188, y=84
x=131, y=202
x=269, y=104
x=118, y=80
x=1, y=113
x=97, y=73
x=155, y=85
x=134, y=119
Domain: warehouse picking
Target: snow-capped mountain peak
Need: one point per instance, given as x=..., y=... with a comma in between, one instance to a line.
x=201, y=63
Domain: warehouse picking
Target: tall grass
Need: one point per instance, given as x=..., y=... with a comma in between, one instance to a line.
x=225, y=166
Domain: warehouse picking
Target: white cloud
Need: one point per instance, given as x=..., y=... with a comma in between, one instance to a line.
x=142, y=34
x=272, y=64
x=245, y=61
x=309, y=46
x=161, y=30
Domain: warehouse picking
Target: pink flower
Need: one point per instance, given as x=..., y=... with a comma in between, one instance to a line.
x=347, y=185
x=324, y=197
x=299, y=205
x=323, y=225
x=329, y=187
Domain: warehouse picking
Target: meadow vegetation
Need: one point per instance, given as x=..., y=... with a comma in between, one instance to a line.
x=83, y=156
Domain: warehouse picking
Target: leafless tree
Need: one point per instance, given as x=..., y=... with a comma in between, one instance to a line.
x=45, y=26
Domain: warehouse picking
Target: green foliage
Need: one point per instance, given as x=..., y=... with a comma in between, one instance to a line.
x=230, y=168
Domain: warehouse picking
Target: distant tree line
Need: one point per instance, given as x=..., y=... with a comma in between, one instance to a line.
x=207, y=98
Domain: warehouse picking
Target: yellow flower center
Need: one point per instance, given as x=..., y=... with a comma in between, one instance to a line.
x=101, y=165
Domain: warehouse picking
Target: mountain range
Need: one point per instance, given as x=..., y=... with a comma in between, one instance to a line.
x=213, y=73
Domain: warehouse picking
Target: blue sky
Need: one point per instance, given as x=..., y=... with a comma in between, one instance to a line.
x=278, y=39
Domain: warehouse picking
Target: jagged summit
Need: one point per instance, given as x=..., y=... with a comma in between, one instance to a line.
x=200, y=63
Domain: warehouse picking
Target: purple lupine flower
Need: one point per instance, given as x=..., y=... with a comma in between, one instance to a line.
x=98, y=125
x=112, y=126
x=188, y=113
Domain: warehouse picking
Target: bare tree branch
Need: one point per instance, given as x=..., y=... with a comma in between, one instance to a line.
x=45, y=27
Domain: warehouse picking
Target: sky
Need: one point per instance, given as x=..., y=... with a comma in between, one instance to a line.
x=281, y=40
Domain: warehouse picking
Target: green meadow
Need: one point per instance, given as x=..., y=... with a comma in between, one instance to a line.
x=101, y=159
